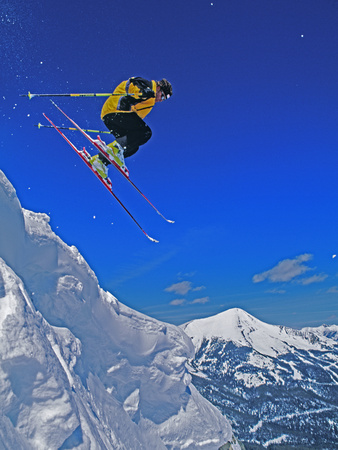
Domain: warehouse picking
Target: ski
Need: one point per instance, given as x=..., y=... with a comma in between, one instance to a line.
x=100, y=145
x=85, y=156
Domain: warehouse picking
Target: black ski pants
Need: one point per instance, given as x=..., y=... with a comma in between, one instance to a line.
x=129, y=130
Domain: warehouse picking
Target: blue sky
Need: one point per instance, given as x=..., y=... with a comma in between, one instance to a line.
x=243, y=156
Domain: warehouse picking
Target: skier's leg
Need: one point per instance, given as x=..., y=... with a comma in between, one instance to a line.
x=129, y=129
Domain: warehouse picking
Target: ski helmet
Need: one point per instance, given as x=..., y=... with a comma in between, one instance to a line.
x=166, y=87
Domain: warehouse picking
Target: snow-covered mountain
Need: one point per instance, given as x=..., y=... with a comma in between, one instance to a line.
x=276, y=384
x=78, y=369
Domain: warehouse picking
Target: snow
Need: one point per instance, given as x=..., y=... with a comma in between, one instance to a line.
x=251, y=380
x=79, y=369
x=276, y=441
x=243, y=329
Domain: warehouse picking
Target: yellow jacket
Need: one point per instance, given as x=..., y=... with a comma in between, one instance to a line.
x=134, y=95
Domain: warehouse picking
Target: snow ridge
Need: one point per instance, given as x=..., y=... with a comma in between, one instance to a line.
x=78, y=369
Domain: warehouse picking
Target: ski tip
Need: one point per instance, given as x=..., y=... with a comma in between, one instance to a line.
x=167, y=220
x=151, y=239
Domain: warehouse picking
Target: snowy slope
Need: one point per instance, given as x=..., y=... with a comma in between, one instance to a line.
x=276, y=384
x=78, y=369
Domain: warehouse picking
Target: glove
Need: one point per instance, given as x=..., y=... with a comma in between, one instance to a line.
x=147, y=93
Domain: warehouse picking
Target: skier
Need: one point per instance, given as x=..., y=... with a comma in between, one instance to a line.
x=123, y=115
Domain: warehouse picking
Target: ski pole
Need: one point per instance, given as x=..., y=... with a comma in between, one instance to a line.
x=40, y=125
x=30, y=95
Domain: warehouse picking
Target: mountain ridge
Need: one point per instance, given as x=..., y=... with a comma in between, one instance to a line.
x=79, y=369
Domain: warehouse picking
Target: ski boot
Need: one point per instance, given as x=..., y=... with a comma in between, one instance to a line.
x=114, y=153
x=99, y=166
x=115, y=150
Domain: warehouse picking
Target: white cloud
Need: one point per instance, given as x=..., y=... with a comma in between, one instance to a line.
x=199, y=288
x=181, y=288
x=178, y=302
x=314, y=279
x=333, y=290
x=285, y=270
x=200, y=301
x=276, y=291
x=181, y=275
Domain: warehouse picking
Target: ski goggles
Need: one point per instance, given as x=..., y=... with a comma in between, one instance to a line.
x=164, y=96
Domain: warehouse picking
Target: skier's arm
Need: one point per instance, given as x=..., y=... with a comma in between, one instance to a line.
x=141, y=90
x=128, y=100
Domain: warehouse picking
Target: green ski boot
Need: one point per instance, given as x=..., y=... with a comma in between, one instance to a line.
x=99, y=166
x=115, y=150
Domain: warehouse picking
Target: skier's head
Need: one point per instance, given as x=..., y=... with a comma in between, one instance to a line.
x=165, y=87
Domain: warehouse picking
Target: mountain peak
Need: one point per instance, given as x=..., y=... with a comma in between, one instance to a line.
x=260, y=374
x=243, y=329
x=234, y=314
